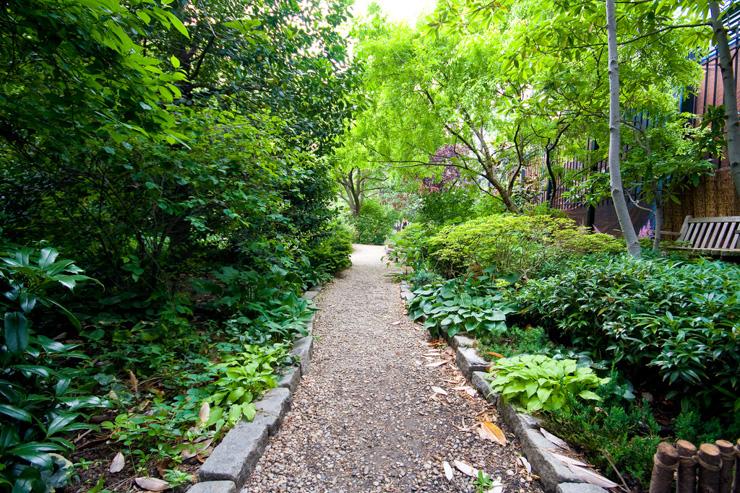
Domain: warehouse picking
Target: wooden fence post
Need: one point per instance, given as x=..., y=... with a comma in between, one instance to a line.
x=665, y=462
x=710, y=463
x=727, y=452
x=737, y=467
x=686, y=467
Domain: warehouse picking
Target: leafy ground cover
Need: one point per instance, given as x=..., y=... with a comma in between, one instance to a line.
x=616, y=353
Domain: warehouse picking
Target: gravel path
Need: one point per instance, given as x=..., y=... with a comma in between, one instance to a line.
x=366, y=419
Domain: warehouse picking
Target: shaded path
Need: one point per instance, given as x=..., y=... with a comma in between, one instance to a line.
x=365, y=418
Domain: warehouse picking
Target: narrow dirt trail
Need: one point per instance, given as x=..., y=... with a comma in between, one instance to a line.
x=365, y=418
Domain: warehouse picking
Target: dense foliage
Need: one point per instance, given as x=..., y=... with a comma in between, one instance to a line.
x=674, y=319
x=181, y=153
x=651, y=343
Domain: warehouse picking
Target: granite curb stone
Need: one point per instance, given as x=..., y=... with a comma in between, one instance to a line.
x=213, y=487
x=468, y=360
x=302, y=350
x=272, y=408
x=237, y=454
x=290, y=379
x=579, y=488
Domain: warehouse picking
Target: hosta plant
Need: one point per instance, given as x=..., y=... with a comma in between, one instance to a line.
x=459, y=306
x=540, y=383
x=243, y=377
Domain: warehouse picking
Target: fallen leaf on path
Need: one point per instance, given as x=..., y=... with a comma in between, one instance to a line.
x=467, y=389
x=449, y=474
x=152, y=484
x=466, y=469
x=436, y=364
x=591, y=477
x=439, y=390
x=498, y=486
x=555, y=440
x=526, y=464
x=397, y=322
x=490, y=431
x=117, y=463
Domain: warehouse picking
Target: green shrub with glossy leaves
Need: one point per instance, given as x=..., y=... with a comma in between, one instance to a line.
x=513, y=244
x=657, y=318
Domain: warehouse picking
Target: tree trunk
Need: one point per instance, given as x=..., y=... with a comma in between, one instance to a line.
x=553, y=181
x=615, y=174
x=732, y=126
x=657, y=235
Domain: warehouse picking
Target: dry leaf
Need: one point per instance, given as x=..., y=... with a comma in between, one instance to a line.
x=467, y=389
x=490, y=431
x=449, y=474
x=553, y=439
x=495, y=355
x=439, y=390
x=436, y=364
x=134, y=382
x=569, y=460
x=466, y=469
x=498, y=486
x=591, y=477
x=396, y=322
x=204, y=413
x=117, y=464
x=152, y=484
x=526, y=464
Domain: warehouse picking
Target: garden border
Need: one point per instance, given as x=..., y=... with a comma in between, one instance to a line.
x=232, y=461
x=556, y=476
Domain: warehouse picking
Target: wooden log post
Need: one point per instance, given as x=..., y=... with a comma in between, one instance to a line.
x=736, y=488
x=727, y=452
x=665, y=462
x=710, y=464
x=686, y=467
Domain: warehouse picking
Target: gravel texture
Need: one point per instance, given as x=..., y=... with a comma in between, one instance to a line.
x=366, y=418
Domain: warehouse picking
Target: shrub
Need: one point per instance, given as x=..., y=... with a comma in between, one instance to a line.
x=331, y=254
x=513, y=244
x=38, y=403
x=374, y=223
x=622, y=434
x=409, y=245
x=540, y=383
x=452, y=205
x=674, y=319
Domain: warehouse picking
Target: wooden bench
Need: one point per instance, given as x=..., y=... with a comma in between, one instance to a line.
x=710, y=235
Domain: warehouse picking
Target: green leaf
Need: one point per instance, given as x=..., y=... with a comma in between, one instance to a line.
x=178, y=24
x=589, y=395
x=16, y=413
x=16, y=332
x=174, y=61
x=47, y=257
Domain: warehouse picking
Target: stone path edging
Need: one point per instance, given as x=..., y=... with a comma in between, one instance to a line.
x=555, y=475
x=233, y=460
